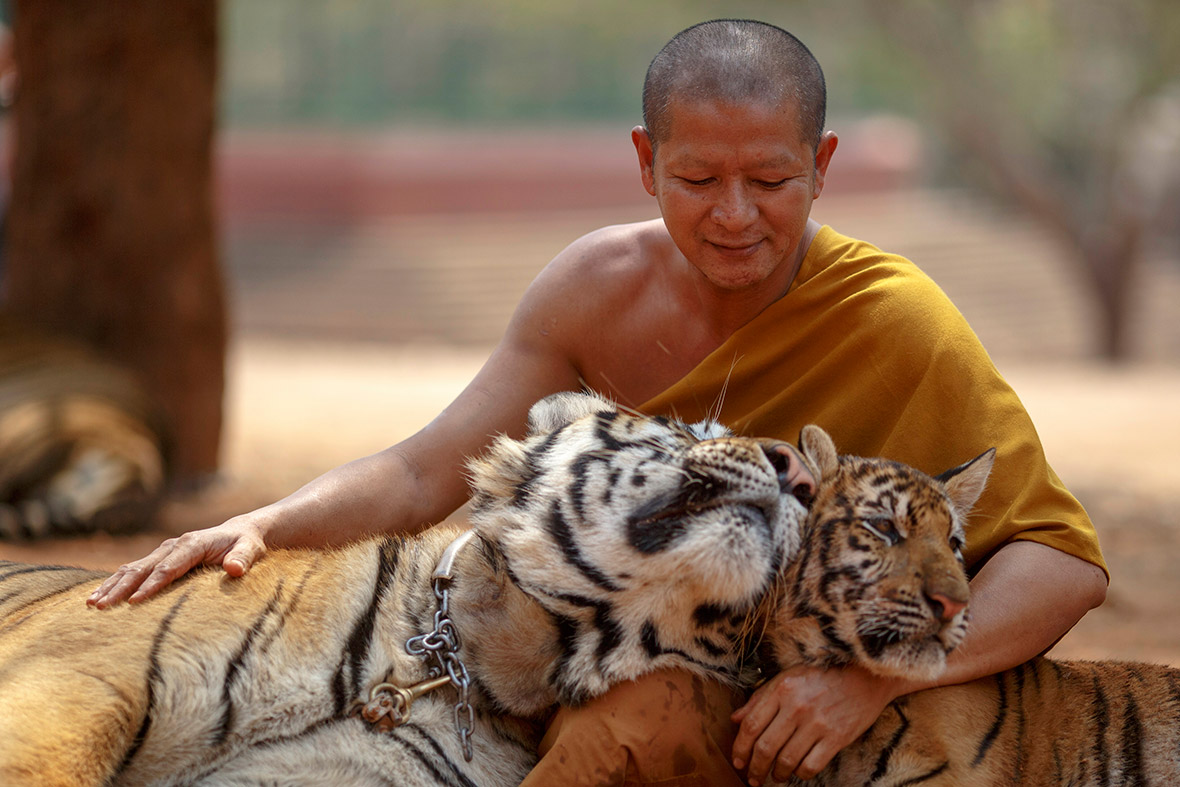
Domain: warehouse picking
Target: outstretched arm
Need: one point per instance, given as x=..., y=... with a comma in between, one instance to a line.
x=1024, y=599
x=403, y=488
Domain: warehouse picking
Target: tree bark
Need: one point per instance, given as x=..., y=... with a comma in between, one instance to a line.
x=111, y=224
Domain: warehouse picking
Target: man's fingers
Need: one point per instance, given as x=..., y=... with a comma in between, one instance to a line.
x=781, y=744
x=816, y=760
x=116, y=586
x=139, y=581
x=244, y=554
x=119, y=585
x=753, y=718
x=789, y=759
x=104, y=588
x=186, y=551
x=160, y=577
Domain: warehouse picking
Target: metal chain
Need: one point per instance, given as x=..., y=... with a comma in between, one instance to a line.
x=443, y=645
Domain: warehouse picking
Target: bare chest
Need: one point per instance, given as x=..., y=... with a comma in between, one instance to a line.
x=637, y=356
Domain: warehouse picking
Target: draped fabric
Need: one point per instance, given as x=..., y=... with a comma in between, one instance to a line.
x=868, y=347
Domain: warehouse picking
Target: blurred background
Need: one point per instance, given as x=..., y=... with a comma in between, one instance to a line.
x=361, y=191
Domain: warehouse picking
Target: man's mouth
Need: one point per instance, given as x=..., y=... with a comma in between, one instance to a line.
x=736, y=249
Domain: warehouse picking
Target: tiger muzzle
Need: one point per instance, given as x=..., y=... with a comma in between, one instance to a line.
x=794, y=476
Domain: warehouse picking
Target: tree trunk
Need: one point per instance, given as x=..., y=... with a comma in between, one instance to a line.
x=111, y=224
x=1112, y=268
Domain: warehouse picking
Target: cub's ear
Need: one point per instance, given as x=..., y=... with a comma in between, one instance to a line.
x=818, y=447
x=557, y=410
x=964, y=484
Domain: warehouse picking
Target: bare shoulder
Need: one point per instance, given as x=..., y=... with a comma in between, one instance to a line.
x=558, y=322
x=600, y=273
x=597, y=269
x=614, y=251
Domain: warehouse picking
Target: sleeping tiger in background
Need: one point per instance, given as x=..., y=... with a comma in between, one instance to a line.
x=605, y=545
x=879, y=581
x=81, y=445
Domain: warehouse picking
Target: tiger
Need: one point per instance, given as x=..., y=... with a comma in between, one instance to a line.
x=602, y=545
x=879, y=581
x=83, y=448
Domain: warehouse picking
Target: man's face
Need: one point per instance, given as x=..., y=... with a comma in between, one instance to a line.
x=735, y=183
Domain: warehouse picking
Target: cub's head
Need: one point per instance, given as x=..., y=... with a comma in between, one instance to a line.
x=647, y=541
x=879, y=579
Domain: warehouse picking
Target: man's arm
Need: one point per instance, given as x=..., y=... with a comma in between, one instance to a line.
x=410, y=485
x=1023, y=600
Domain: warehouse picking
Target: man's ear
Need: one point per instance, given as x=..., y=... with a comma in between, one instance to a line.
x=823, y=157
x=643, y=147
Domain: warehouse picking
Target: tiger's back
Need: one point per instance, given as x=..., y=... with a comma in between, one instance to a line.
x=1045, y=723
x=178, y=684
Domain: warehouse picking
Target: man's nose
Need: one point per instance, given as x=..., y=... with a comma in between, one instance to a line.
x=734, y=209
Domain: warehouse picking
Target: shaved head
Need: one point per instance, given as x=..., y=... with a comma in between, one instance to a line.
x=734, y=60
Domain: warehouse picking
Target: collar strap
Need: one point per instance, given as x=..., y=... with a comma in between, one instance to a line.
x=446, y=564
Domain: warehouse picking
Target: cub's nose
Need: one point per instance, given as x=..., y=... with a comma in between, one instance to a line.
x=944, y=607
x=793, y=476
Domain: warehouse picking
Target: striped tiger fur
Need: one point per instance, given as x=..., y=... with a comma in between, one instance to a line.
x=606, y=545
x=879, y=581
x=82, y=448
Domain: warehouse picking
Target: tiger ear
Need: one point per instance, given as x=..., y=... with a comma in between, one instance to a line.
x=557, y=410
x=819, y=448
x=964, y=484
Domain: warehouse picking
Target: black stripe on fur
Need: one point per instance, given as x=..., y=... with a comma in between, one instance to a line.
x=356, y=648
x=1021, y=726
x=882, y=766
x=564, y=538
x=1101, y=722
x=1001, y=714
x=153, y=677
x=234, y=666
x=1132, y=748
x=926, y=776
x=454, y=775
x=11, y=613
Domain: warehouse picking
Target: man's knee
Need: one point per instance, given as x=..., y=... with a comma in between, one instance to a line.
x=669, y=726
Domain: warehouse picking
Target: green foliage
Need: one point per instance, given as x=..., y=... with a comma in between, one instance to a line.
x=369, y=62
x=1058, y=80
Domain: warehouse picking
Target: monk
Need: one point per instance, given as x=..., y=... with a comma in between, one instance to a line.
x=735, y=302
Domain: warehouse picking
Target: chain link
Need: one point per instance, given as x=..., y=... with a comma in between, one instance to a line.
x=442, y=644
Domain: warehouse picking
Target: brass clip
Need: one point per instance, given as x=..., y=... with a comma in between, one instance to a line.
x=389, y=705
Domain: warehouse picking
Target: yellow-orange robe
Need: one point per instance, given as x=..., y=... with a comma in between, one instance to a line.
x=865, y=345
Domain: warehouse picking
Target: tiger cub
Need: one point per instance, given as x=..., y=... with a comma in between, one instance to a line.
x=879, y=582
x=82, y=448
x=597, y=541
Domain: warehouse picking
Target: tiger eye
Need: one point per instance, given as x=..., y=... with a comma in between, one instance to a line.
x=883, y=527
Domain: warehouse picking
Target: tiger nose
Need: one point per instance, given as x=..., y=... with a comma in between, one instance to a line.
x=944, y=607
x=793, y=476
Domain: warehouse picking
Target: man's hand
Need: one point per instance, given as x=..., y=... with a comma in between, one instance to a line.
x=799, y=720
x=235, y=544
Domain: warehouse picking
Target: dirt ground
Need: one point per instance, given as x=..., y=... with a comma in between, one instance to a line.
x=297, y=409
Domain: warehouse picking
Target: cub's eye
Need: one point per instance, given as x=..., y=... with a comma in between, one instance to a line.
x=882, y=527
x=957, y=546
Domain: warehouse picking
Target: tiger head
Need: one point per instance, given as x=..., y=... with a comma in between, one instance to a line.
x=879, y=580
x=647, y=542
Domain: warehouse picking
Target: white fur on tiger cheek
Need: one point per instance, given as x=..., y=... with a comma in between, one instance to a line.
x=921, y=658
